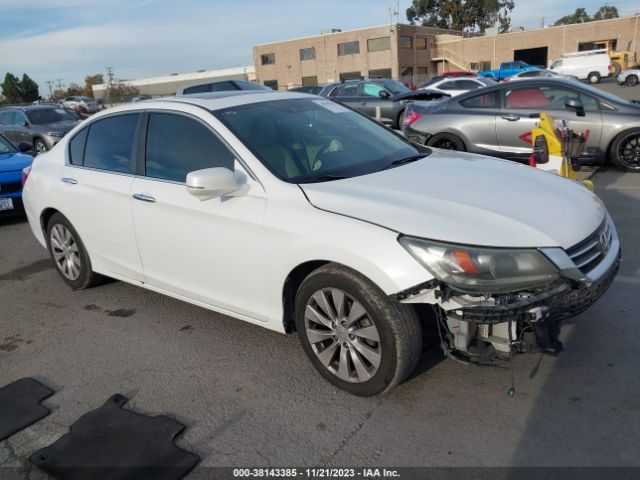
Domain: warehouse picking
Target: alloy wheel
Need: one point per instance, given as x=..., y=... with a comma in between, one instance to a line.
x=65, y=252
x=40, y=147
x=629, y=151
x=343, y=335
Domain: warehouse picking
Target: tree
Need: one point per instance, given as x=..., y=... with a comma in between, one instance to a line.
x=463, y=15
x=11, y=89
x=579, y=16
x=28, y=89
x=90, y=81
x=121, y=92
x=606, y=12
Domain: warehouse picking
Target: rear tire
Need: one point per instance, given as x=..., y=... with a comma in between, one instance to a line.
x=363, y=341
x=631, y=80
x=625, y=150
x=69, y=254
x=447, y=141
x=593, y=77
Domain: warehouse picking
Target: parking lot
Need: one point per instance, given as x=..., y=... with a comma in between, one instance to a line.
x=249, y=397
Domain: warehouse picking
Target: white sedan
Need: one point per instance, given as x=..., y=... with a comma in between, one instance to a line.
x=630, y=76
x=458, y=86
x=295, y=213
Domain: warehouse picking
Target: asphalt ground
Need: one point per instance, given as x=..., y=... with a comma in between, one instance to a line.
x=250, y=397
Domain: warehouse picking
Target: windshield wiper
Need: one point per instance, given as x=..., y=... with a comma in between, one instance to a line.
x=323, y=178
x=402, y=161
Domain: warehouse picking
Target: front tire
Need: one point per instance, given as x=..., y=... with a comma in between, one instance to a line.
x=69, y=254
x=593, y=77
x=358, y=338
x=631, y=80
x=625, y=150
x=39, y=146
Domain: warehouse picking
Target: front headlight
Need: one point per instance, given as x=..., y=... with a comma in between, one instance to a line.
x=482, y=270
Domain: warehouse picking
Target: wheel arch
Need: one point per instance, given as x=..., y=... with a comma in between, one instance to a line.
x=45, y=216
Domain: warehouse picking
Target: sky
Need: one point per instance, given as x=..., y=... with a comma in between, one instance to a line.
x=69, y=39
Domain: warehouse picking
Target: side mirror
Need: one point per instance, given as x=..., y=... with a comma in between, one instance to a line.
x=575, y=105
x=212, y=182
x=384, y=94
x=25, y=147
x=24, y=123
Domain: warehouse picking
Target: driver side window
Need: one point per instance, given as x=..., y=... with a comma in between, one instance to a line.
x=372, y=90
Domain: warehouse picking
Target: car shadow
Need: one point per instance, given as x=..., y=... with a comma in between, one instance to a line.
x=586, y=410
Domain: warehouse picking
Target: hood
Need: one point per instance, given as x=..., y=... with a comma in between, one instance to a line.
x=469, y=199
x=11, y=162
x=64, y=127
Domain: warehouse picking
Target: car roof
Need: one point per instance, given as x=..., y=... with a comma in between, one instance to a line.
x=29, y=108
x=232, y=98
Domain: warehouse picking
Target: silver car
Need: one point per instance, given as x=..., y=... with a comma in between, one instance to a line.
x=629, y=77
x=83, y=104
x=496, y=120
x=43, y=126
x=539, y=73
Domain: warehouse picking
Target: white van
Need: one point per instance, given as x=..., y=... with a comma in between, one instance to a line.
x=590, y=65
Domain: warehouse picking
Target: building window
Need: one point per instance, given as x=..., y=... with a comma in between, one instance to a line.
x=379, y=44
x=421, y=74
x=484, y=65
x=268, y=58
x=272, y=84
x=308, y=81
x=350, y=76
x=380, y=73
x=421, y=43
x=406, y=42
x=406, y=74
x=348, y=48
x=308, y=53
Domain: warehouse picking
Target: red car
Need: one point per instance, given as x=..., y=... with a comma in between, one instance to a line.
x=459, y=74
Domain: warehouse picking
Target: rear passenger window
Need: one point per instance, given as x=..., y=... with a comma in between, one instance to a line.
x=110, y=143
x=485, y=100
x=177, y=145
x=76, y=147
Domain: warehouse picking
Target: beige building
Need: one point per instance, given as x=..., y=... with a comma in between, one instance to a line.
x=416, y=53
x=393, y=51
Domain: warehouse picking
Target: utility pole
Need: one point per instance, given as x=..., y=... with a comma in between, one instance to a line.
x=50, y=83
x=110, y=76
x=59, y=80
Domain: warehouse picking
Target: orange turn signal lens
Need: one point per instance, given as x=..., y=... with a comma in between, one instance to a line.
x=466, y=263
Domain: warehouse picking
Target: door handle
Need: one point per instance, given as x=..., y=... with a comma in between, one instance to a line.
x=364, y=104
x=144, y=198
x=71, y=181
x=511, y=117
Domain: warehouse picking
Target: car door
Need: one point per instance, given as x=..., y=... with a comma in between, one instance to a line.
x=210, y=251
x=96, y=181
x=20, y=128
x=523, y=102
x=348, y=94
x=7, y=125
x=475, y=119
x=371, y=101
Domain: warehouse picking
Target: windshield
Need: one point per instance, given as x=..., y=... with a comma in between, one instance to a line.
x=394, y=87
x=312, y=140
x=50, y=115
x=602, y=95
x=5, y=146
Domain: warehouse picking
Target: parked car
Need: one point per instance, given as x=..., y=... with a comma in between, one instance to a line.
x=141, y=98
x=495, y=120
x=507, y=69
x=461, y=73
x=13, y=161
x=311, y=89
x=539, y=73
x=629, y=77
x=590, y=65
x=41, y=125
x=457, y=85
x=296, y=213
x=222, y=86
x=80, y=103
x=367, y=95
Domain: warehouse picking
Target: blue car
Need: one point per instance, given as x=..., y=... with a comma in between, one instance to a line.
x=12, y=162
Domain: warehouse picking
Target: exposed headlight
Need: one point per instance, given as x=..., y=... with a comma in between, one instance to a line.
x=482, y=270
x=55, y=134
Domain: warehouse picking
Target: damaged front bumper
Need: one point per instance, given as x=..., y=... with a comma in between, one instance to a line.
x=496, y=325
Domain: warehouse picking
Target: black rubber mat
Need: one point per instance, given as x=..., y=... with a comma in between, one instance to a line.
x=20, y=405
x=117, y=444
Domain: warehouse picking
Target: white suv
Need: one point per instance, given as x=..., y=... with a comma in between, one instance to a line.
x=298, y=214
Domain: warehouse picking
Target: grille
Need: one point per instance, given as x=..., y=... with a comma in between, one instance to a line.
x=10, y=187
x=590, y=252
